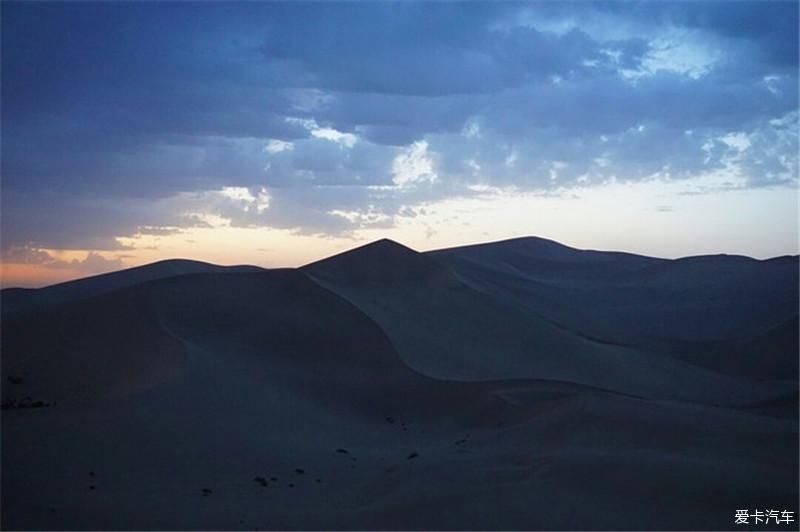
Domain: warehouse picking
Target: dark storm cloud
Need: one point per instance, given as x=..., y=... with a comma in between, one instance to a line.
x=111, y=109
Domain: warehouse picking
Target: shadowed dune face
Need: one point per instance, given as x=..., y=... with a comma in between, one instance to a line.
x=615, y=295
x=502, y=386
x=288, y=324
x=282, y=316
x=529, y=308
x=123, y=343
x=88, y=351
x=384, y=263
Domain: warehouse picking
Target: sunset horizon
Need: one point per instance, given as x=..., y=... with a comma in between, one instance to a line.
x=64, y=266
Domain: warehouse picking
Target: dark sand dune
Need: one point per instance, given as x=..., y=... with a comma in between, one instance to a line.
x=17, y=299
x=772, y=355
x=383, y=263
x=88, y=350
x=619, y=294
x=388, y=389
x=119, y=345
x=504, y=329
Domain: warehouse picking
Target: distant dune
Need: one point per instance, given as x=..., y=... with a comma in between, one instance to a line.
x=15, y=299
x=520, y=384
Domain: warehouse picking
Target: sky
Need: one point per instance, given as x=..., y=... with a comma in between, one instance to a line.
x=279, y=133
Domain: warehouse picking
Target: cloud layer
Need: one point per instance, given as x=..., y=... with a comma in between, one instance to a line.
x=119, y=119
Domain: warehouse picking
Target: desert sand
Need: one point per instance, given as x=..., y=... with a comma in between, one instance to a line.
x=517, y=385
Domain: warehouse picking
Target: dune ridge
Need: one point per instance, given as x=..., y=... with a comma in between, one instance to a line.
x=497, y=386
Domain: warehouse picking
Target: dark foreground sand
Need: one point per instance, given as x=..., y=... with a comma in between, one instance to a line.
x=515, y=385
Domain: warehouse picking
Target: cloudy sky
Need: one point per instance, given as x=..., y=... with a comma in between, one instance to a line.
x=278, y=133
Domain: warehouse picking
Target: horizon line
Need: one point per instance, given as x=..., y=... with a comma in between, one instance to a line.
x=394, y=241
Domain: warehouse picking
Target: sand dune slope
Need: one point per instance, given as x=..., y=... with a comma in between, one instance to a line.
x=20, y=299
x=467, y=324
x=619, y=296
x=382, y=389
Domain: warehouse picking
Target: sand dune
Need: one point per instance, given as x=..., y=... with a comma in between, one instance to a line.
x=618, y=294
x=472, y=388
x=504, y=330
x=17, y=299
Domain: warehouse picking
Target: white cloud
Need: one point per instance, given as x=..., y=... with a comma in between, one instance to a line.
x=307, y=123
x=257, y=199
x=414, y=165
x=347, y=140
x=277, y=146
x=739, y=140
x=371, y=216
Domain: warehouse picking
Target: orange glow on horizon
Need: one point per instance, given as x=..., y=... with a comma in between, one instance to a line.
x=606, y=219
x=35, y=275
